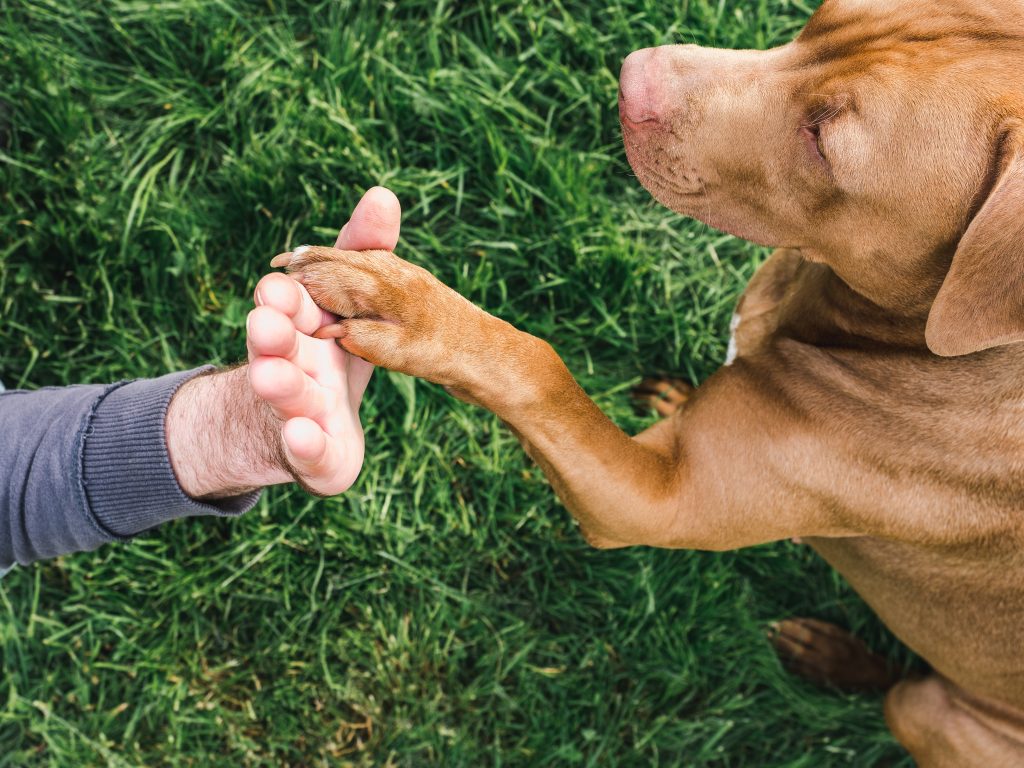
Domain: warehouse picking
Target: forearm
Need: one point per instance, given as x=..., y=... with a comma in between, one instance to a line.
x=82, y=466
x=222, y=439
x=620, y=489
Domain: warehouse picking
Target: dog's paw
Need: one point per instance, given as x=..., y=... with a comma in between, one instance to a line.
x=390, y=312
x=827, y=655
x=664, y=395
x=353, y=284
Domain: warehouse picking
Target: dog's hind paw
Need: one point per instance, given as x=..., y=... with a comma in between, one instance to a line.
x=828, y=655
x=664, y=395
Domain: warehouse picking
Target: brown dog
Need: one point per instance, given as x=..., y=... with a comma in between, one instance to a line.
x=874, y=401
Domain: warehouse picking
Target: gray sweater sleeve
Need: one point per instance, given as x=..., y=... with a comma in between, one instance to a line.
x=84, y=465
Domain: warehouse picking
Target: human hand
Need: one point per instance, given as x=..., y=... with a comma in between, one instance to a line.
x=313, y=386
x=292, y=413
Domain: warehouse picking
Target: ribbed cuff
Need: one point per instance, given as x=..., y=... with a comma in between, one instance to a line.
x=127, y=474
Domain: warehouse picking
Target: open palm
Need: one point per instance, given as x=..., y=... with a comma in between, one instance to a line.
x=312, y=385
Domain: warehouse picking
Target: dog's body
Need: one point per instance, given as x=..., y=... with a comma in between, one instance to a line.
x=924, y=457
x=874, y=405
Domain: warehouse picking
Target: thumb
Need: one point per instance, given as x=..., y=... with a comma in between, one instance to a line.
x=375, y=223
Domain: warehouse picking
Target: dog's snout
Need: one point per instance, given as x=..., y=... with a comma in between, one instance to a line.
x=652, y=80
x=638, y=87
x=656, y=85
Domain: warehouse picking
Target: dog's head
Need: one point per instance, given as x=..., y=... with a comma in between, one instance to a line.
x=887, y=141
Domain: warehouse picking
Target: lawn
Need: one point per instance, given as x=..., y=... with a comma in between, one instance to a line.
x=445, y=611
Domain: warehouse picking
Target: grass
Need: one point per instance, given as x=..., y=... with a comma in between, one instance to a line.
x=153, y=157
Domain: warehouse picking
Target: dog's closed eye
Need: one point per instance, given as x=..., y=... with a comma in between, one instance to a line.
x=812, y=137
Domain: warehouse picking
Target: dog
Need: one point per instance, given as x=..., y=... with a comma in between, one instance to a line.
x=873, y=400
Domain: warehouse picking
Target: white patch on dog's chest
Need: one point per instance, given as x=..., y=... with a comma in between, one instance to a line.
x=734, y=325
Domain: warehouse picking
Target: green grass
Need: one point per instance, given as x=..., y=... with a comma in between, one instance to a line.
x=153, y=157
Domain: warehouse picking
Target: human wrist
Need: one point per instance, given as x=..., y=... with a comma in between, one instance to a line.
x=222, y=439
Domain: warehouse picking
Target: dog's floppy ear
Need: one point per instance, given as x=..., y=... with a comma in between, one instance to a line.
x=981, y=302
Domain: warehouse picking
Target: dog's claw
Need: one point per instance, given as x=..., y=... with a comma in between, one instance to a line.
x=332, y=331
x=285, y=259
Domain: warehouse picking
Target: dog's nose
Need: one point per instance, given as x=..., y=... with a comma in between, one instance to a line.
x=638, y=87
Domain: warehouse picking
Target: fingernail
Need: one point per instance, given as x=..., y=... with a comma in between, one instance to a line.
x=259, y=298
x=248, y=324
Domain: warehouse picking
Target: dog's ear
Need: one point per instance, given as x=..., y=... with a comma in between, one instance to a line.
x=981, y=302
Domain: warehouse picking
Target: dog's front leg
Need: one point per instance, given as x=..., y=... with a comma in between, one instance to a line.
x=676, y=485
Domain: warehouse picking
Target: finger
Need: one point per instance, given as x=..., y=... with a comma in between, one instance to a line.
x=290, y=298
x=375, y=223
x=317, y=458
x=269, y=332
x=287, y=390
x=278, y=291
